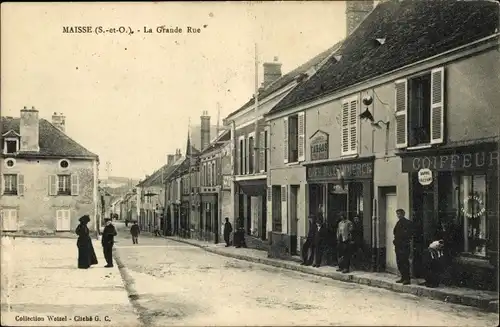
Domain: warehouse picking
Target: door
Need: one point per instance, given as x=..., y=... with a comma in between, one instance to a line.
x=9, y=220
x=63, y=221
x=390, y=222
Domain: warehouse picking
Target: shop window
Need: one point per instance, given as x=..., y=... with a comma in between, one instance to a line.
x=276, y=210
x=241, y=156
x=472, y=200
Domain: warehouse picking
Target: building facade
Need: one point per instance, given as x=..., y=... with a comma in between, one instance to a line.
x=411, y=130
x=48, y=180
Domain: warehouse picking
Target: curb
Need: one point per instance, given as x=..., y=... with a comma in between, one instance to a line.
x=489, y=305
x=70, y=237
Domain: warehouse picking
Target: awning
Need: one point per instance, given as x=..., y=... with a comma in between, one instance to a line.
x=253, y=187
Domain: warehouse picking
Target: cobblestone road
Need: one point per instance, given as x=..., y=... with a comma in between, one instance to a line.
x=178, y=284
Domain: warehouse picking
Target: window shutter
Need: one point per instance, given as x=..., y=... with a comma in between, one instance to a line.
x=301, y=137
x=20, y=184
x=401, y=114
x=284, y=209
x=52, y=184
x=59, y=217
x=285, y=140
x=344, y=138
x=66, y=220
x=75, y=184
x=262, y=151
x=270, y=221
x=2, y=185
x=13, y=220
x=4, y=215
x=237, y=169
x=437, y=105
x=353, y=126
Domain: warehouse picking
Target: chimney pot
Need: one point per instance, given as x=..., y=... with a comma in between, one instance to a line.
x=272, y=72
x=25, y=107
x=33, y=107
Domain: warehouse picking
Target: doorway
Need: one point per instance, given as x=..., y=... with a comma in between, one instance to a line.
x=294, y=192
x=391, y=204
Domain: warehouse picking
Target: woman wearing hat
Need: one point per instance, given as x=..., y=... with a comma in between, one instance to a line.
x=86, y=253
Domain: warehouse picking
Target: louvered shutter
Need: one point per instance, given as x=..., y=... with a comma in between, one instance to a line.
x=284, y=209
x=2, y=186
x=285, y=140
x=344, y=138
x=75, y=184
x=262, y=151
x=401, y=102
x=20, y=184
x=66, y=220
x=13, y=220
x=270, y=221
x=437, y=105
x=353, y=126
x=301, y=137
x=4, y=215
x=52, y=184
x=59, y=220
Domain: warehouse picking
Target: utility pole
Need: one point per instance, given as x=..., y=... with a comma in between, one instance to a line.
x=218, y=119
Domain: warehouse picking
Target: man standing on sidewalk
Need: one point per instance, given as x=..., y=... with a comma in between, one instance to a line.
x=227, y=231
x=307, y=257
x=403, y=232
x=108, y=239
x=134, y=231
x=344, y=246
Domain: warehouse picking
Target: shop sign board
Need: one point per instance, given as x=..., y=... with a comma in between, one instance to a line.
x=425, y=176
x=319, y=146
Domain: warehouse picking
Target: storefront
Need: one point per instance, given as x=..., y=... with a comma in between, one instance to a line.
x=454, y=196
x=341, y=188
x=209, y=214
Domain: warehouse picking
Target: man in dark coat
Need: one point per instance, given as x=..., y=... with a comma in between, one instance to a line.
x=108, y=239
x=134, y=231
x=307, y=257
x=403, y=232
x=344, y=246
x=228, y=228
x=86, y=253
x=319, y=243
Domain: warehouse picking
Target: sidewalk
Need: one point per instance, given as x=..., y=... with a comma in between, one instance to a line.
x=480, y=299
x=40, y=279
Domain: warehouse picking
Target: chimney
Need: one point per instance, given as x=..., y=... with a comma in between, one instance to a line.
x=29, y=130
x=178, y=154
x=272, y=71
x=59, y=121
x=170, y=159
x=205, y=130
x=355, y=12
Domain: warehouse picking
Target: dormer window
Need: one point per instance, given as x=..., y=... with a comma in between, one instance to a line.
x=10, y=146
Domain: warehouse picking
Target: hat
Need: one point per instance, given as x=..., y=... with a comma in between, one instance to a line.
x=84, y=219
x=107, y=219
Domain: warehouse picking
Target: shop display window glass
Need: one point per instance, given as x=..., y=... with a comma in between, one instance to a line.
x=471, y=203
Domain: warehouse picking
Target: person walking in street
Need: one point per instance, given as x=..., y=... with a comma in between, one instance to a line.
x=108, y=239
x=307, y=255
x=228, y=228
x=86, y=253
x=344, y=239
x=319, y=243
x=134, y=231
x=403, y=232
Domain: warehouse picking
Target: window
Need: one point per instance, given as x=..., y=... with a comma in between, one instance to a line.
x=64, y=164
x=63, y=220
x=276, y=208
x=209, y=174
x=11, y=145
x=214, y=173
x=294, y=138
x=64, y=184
x=245, y=157
x=350, y=126
x=10, y=163
x=420, y=109
x=10, y=184
x=241, y=154
x=471, y=195
x=9, y=220
x=251, y=156
x=266, y=147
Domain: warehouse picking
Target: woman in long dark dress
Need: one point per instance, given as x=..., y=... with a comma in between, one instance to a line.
x=86, y=253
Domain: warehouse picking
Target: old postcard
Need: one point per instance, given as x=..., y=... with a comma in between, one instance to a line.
x=250, y=163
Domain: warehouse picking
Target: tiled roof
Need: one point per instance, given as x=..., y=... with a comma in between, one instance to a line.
x=52, y=141
x=219, y=142
x=413, y=31
x=289, y=77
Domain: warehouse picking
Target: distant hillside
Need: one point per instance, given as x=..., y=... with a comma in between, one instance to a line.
x=118, y=186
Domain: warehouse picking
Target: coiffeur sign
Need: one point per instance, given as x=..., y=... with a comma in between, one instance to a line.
x=452, y=162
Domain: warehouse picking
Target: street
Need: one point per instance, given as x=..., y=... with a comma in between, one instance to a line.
x=179, y=284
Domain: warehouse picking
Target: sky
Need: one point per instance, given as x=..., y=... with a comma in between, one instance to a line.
x=129, y=98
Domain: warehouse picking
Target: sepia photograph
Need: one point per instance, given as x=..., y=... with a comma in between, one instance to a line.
x=250, y=163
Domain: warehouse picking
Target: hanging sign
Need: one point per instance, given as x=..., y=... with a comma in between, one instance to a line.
x=425, y=176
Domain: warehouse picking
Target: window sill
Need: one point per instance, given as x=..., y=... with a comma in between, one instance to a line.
x=349, y=156
x=292, y=164
x=10, y=193
x=419, y=147
x=63, y=194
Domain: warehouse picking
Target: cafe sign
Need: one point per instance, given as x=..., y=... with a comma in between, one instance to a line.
x=452, y=162
x=336, y=171
x=319, y=146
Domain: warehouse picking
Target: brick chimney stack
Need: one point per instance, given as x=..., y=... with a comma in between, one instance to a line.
x=170, y=159
x=272, y=71
x=205, y=130
x=29, y=129
x=355, y=12
x=178, y=154
x=59, y=121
